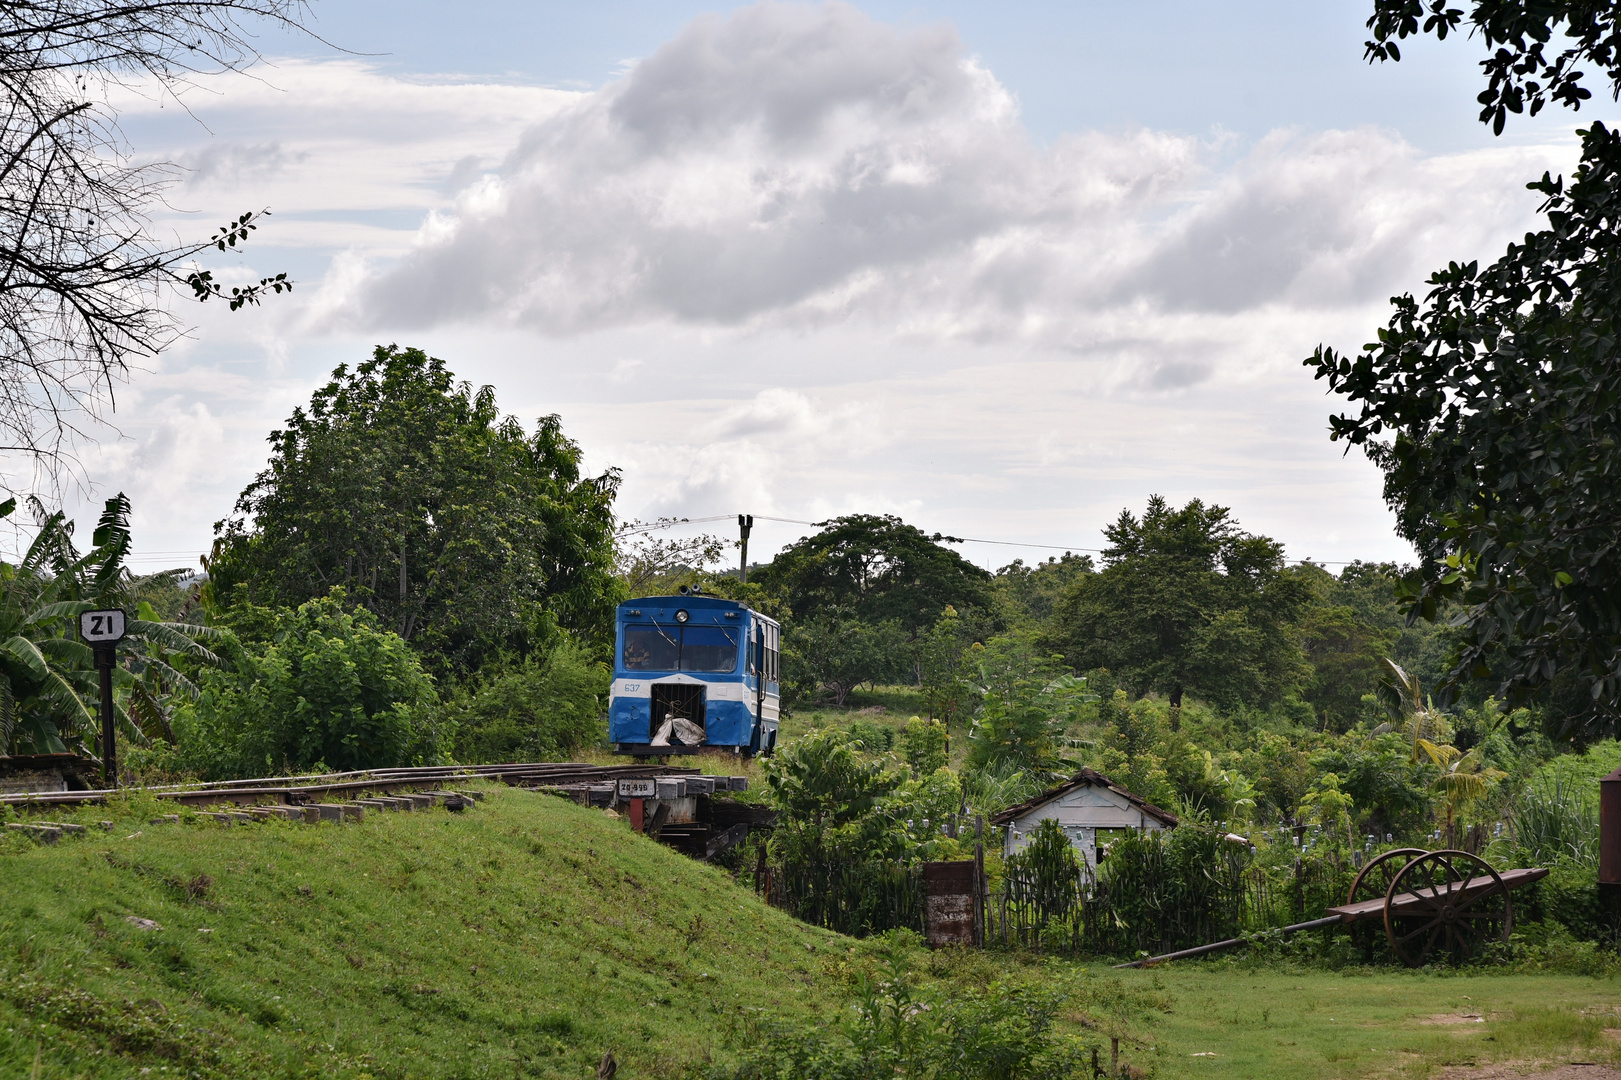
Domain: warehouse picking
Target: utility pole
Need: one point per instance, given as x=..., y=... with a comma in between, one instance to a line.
x=103, y=630
x=745, y=522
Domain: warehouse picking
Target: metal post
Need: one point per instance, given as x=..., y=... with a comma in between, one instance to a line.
x=106, y=656
x=745, y=522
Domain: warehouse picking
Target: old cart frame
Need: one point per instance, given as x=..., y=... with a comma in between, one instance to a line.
x=1437, y=904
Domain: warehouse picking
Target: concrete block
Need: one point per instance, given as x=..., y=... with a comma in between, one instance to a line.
x=671, y=788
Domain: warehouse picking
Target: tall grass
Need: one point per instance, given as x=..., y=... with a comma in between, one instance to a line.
x=1554, y=817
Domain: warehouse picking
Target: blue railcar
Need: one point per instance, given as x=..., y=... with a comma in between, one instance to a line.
x=711, y=663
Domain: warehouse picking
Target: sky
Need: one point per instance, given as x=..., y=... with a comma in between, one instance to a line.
x=1003, y=270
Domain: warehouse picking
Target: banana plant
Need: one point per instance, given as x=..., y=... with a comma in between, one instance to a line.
x=49, y=688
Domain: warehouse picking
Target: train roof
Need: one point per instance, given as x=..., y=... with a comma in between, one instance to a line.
x=700, y=602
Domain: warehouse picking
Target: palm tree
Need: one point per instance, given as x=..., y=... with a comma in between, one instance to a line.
x=1463, y=778
x=1411, y=710
x=48, y=682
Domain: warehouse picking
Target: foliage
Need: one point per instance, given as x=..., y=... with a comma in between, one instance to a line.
x=1005, y=1031
x=879, y=569
x=1391, y=790
x=997, y=787
x=49, y=686
x=1129, y=747
x=653, y=565
x=1330, y=808
x=1051, y=871
x=1167, y=890
x=840, y=859
x=542, y=708
x=924, y=745
x=1029, y=594
x=459, y=531
x=1491, y=406
x=1554, y=815
x=1519, y=71
x=944, y=669
x=839, y=651
x=823, y=781
x=332, y=690
x=1186, y=602
x=1027, y=703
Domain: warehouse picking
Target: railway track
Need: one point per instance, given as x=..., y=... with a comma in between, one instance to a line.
x=316, y=788
x=678, y=802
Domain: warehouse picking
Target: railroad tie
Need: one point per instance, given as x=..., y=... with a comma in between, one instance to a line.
x=46, y=834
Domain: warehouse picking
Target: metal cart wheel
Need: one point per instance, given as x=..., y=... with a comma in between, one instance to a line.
x=1372, y=883
x=1446, y=905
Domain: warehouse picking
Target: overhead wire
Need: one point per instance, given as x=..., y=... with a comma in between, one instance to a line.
x=641, y=528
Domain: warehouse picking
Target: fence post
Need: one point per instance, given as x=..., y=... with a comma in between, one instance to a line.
x=981, y=892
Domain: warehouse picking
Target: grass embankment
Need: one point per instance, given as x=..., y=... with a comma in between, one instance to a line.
x=524, y=937
x=528, y=936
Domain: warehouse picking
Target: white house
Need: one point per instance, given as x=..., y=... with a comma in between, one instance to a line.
x=1087, y=802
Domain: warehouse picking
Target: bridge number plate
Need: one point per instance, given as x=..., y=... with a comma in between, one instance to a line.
x=101, y=626
x=638, y=789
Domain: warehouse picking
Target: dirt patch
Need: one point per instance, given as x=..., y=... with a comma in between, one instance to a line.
x=1450, y=1019
x=1528, y=1070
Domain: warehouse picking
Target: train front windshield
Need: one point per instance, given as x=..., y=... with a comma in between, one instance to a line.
x=712, y=649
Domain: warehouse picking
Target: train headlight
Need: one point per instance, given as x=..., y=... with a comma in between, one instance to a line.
x=681, y=616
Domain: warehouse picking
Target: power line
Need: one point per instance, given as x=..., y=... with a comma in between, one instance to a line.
x=1066, y=548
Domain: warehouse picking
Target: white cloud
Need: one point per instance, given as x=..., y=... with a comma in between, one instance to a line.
x=796, y=165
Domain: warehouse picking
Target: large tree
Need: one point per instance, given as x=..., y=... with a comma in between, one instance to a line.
x=83, y=279
x=1186, y=602
x=878, y=569
x=1494, y=405
x=463, y=533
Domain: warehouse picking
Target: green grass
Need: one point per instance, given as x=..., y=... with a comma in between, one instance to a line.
x=527, y=936
x=888, y=705
x=1367, y=1022
x=524, y=937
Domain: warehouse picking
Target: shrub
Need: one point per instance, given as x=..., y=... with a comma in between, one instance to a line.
x=923, y=742
x=544, y=709
x=1001, y=1032
x=333, y=690
x=873, y=737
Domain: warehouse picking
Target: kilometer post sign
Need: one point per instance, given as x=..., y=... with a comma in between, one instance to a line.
x=103, y=630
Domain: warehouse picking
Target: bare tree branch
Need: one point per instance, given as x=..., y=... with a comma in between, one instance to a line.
x=83, y=282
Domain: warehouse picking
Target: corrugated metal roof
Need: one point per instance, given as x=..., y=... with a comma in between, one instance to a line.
x=1084, y=778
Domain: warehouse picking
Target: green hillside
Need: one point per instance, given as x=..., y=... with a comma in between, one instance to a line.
x=524, y=937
